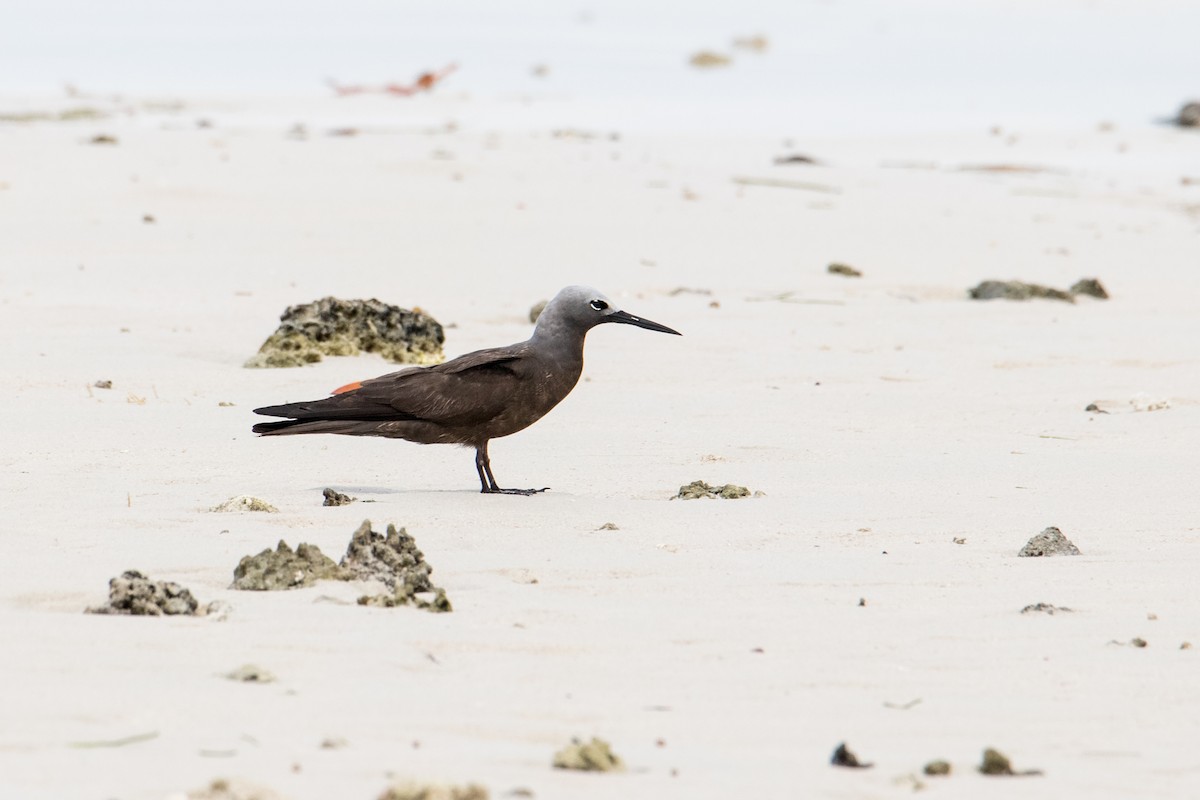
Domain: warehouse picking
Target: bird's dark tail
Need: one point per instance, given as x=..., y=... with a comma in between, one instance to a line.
x=338, y=414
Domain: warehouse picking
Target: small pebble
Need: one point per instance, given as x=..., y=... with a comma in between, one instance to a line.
x=842, y=757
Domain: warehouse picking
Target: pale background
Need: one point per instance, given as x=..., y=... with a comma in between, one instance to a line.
x=884, y=418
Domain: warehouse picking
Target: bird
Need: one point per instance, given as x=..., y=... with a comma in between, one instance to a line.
x=472, y=399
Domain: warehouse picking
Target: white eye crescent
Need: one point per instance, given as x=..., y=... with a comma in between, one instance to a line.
x=599, y=305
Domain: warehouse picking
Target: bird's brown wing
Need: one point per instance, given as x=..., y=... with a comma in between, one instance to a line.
x=468, y=390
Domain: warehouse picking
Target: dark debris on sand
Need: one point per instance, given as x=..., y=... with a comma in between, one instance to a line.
x=1017, y=290
x=335, y=498
x=1090, y=287
x=1188, y=116
x=843, y=269
x=842, y=757
x=438, y=604
x=996, y=763
x=1045, y=608
x=250, y=673
x=1020, y=290
x=134, y=594
x=334, y=327
x=796, y=158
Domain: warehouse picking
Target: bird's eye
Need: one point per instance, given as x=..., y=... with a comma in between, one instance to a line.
x=599, y=305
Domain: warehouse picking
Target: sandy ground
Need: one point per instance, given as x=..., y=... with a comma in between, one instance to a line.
x=908, y=442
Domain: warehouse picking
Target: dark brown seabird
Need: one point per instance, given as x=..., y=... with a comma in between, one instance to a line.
x=471, y=399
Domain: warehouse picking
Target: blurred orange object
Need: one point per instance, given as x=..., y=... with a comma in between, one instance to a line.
x=424, y=83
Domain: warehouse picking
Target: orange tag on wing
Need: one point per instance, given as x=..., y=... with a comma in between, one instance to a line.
x=349, y=387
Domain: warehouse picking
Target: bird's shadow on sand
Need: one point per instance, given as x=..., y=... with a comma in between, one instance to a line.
x=360, y=491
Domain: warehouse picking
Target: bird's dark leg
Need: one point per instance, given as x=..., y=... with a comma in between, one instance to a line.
x=483, y=465
x=483, y=478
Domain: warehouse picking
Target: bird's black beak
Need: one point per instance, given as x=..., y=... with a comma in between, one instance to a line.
x=630, y=319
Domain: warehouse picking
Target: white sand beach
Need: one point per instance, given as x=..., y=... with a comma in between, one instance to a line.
x=907, y=442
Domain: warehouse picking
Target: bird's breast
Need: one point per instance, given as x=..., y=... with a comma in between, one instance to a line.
x=533, y=398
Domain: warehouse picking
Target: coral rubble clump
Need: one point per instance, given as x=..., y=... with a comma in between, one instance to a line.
x=283, y=568
x=698, y=489
x=333, y=327
x=593, y=756
x=134, y=594
x=1050, y=542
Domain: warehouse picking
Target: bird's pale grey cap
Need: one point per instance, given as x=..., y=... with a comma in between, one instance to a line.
x=577, y=309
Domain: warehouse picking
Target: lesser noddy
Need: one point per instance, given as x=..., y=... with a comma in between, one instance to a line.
x=471, y=399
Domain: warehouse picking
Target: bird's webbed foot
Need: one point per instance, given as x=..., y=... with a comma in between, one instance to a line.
x=522, y=492
x=487, y=481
